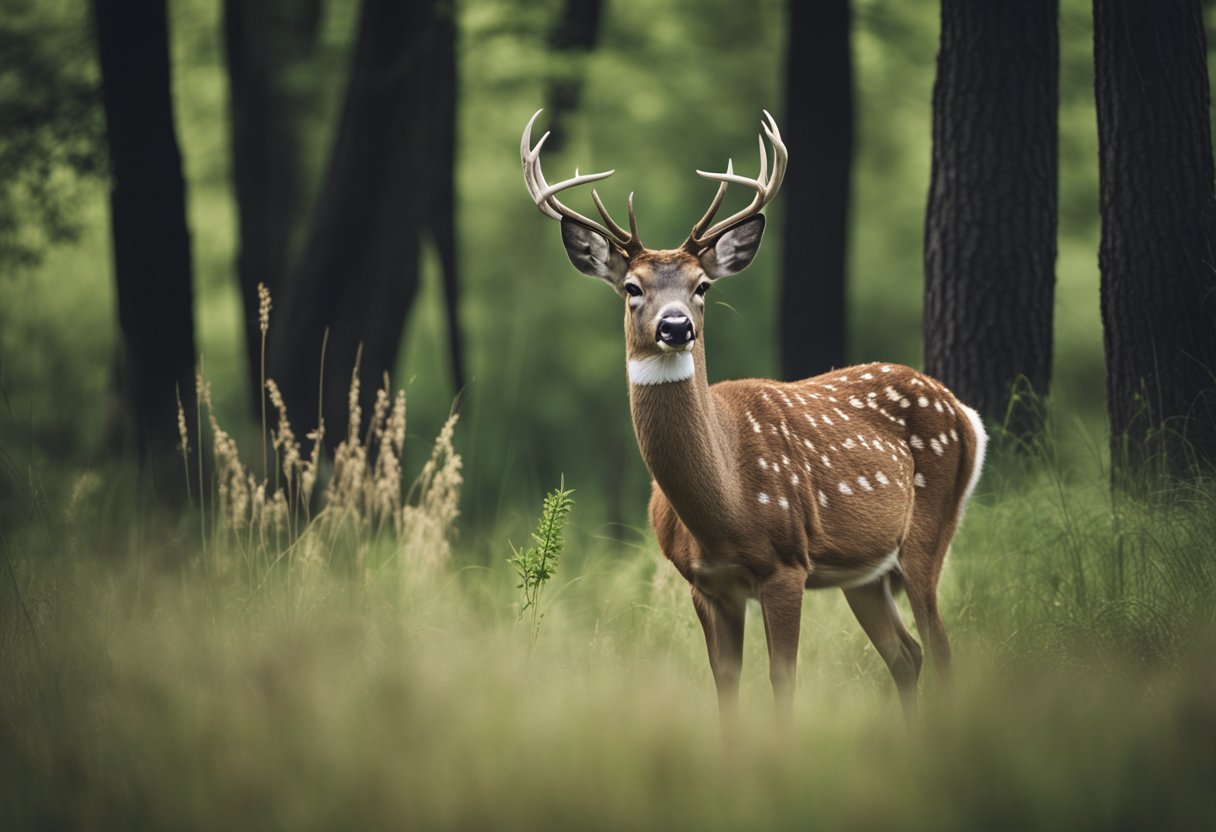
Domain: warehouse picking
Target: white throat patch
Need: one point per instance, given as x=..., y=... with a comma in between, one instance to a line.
x=661, y=369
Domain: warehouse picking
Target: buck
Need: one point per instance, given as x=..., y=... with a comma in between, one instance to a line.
x=855, y=479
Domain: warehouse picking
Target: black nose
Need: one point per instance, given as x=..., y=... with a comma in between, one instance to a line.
x=675, y=331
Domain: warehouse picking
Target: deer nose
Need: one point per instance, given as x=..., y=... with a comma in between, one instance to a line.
x=675, y=331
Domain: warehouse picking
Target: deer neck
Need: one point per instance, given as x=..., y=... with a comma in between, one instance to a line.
x=680, y=436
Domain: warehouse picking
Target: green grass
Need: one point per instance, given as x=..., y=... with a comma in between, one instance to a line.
x=138, y=694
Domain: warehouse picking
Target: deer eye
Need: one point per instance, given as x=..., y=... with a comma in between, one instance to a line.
x=633, y=290
x=701, y=289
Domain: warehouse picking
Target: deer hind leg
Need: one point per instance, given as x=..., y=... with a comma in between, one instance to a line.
x=723, y=625
x=874, y=606
x=922, y=557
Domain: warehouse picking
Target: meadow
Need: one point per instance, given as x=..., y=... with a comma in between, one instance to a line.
x=358, y=660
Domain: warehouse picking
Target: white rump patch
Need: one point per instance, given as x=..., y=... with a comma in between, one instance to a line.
x=981, y=447
x=661, y=369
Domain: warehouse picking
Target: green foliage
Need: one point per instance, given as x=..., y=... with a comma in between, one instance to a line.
x=50, y=127
x=535, y=565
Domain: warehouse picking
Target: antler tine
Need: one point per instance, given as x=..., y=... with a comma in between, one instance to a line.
x=699, y=228
x=545, y=195
x=764, y=185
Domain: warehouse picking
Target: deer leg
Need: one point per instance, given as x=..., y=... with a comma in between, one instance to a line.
x=723, y=625
x=781, y=605
x=875, y=609
x=922, y=562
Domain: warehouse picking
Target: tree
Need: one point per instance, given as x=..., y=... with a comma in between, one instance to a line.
x=575, y=33
x=155, y=355
x=1156, y=257
x=819, y=112
x=267, y=45
x=990, y=233
x=389, y=180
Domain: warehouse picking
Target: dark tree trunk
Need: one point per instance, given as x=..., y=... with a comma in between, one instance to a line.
x=151, y=244
x=990, y=235
x=360, y=268
x=574, y=35
x=1158, y=289
x=819, y=115
x=268, y=43
x=441, y=211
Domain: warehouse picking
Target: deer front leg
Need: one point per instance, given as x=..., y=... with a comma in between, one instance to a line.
x=723, y=625
x=781, y=605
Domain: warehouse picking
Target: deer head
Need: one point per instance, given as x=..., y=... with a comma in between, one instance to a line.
x=664, y=290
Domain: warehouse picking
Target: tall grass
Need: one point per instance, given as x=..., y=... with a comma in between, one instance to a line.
x=302, y=692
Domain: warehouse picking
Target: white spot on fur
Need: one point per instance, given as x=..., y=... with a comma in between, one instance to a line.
x=824, y=459
x=810, y=446
x=882, y=478
x=919, y=480
x=844, y=488
x=905, y=403
x=936, y=446
x=849, y=444
x=785, y=460
x=784, y=503
x=763, y=498
x=865, y=483
x=937, y=405
x=763, y=464
x=892, y=393
x=954, y=434
x=885, y=369
x=823, y=499
x=867, y=376
x=943, y=439
x=794, y=480
x=841, y=413
x=856, y=402
x=916, y=442
x=826, y=420
x=754, y=423
x=922, y=401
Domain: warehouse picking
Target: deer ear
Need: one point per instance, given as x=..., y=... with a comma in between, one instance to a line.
x=734, y=249
x=592, y=254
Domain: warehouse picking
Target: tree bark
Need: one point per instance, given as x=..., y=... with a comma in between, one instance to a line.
x=1156, y=257
x=268, y=43
x=155, y=355
x=819, y=115
x=574, y=35
x=990, y=235
x=360, y=269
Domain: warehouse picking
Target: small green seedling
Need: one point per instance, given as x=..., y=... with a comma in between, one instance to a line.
x=535, y=565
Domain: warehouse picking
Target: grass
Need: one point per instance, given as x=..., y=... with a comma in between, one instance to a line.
x=141, y=694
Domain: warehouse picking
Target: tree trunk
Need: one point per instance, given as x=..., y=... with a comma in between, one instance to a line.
x=819, y=115
x=572, y=38
x=1156, y=258
x=155, y=356
x=360, y=269
x=268, y=43
x=990, y=235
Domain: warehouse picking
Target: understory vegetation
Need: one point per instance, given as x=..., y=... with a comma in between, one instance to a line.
x=359, y=674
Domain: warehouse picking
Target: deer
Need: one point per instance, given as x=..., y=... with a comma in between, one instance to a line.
x=855, y=479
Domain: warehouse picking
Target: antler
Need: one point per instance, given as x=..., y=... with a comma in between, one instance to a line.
x=545, y=195
x=766, y=188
